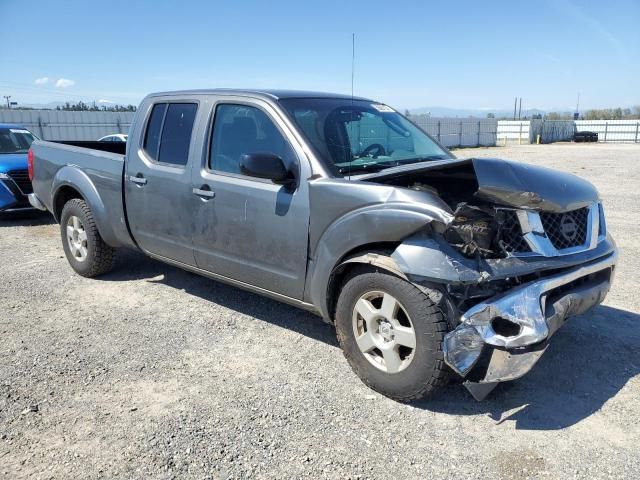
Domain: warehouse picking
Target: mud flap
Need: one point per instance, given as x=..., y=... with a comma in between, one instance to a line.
x=479, y=391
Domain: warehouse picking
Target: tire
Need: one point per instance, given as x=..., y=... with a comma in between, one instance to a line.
x=83, y=246
x=422, y=370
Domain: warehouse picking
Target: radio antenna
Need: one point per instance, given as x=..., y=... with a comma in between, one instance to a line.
x=353, y=68
x=353, y=61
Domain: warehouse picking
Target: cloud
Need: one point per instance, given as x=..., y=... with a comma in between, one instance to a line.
x=105, y=101
x=41, y=81
x=64, y=83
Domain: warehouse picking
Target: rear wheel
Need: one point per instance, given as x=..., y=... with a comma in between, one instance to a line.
x=86, y=252
x=391, y=334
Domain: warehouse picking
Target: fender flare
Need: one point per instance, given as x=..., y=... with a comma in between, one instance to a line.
x=70, y=176
x=358, y=228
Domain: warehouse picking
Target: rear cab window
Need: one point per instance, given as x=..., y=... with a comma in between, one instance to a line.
x=168, y=134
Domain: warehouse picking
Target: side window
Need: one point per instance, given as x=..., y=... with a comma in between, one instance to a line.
x=169, y=132
x=241, y=129
x=154, y=128
x=176, y=133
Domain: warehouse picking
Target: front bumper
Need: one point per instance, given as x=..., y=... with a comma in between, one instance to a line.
x=11, y=198
x=525, y=318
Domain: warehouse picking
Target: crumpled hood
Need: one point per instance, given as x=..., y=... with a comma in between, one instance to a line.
x=12, y=161
x=527, y=186
x=503, y=182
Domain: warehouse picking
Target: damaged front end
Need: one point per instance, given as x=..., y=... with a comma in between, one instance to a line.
x=525, y=249
x=503, y=337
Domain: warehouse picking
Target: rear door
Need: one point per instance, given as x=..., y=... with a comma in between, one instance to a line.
x=158, y=191
x=250, y=229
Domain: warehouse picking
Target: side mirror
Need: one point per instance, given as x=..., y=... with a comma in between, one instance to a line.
x=266, y=165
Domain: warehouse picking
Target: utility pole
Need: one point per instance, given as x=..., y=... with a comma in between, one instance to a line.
x=520, y=108
x=576, y=114
x=7, y=97
x=515, y=105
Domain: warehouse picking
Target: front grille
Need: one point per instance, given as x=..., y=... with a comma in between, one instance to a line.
x=511, y=237
x=566, y=230
x=21, y=178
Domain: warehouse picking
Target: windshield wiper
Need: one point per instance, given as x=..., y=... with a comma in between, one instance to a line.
x=407, y=161
x=369, y=167
x=377, y=166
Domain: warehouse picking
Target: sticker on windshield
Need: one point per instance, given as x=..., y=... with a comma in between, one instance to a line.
x=382, y=108
x=19, y=130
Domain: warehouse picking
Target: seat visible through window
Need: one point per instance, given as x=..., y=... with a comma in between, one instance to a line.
x=240, y=130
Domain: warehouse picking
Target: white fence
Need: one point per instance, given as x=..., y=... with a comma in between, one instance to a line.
x=451, y=132
x=512, y=131
x=62, y=125
x=459, y=132
x=612, y=130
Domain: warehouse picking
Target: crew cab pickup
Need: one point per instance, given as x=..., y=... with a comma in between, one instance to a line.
x=430, y=267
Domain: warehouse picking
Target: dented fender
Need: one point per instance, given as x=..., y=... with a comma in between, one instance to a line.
x=347, y=216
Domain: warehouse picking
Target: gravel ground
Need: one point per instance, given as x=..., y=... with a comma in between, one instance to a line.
x=152, y=372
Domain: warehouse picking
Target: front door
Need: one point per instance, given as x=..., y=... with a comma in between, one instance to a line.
x=250, y=229
x=158, y=191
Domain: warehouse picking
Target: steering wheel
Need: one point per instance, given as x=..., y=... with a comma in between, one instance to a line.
x=374, y=147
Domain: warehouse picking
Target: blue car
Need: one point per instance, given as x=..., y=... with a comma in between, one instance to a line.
x=15, y=184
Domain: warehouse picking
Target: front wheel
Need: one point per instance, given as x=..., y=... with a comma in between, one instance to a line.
x=86, y=252
x=391, y=334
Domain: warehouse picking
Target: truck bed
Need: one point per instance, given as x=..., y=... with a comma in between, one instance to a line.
x=97, y=172
x=113, y=147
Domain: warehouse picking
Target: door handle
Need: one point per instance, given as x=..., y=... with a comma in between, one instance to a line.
x=204, y=193
x=138, y=180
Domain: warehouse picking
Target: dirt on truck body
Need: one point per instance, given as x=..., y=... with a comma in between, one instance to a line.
x=428, y=266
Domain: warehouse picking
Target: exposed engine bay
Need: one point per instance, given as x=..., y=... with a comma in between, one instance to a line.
x=477, y=226
x=484, y=203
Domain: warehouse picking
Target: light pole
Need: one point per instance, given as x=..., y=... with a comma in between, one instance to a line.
x=7, y=97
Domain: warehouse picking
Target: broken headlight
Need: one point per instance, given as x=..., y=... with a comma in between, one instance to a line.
x=462, y=348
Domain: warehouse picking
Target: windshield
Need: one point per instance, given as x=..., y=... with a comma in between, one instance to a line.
x=357, y=136
x=15, y=140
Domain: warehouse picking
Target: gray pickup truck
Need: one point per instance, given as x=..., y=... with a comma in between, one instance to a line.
x=430, y=267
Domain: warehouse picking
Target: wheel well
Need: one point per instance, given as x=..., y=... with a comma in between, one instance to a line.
x=342, y=270
x=63, y=195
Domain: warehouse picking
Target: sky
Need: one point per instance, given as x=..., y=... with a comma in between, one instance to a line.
x=408, y=54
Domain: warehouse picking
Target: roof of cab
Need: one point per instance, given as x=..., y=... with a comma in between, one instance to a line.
x=10, y=125
x=269, y=94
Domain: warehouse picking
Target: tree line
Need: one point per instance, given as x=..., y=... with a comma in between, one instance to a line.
x=92, y=107
x=593, y=114
x=599, y=114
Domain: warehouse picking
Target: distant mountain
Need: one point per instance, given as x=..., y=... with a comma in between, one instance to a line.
x=470, y=112
x=42, y=106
